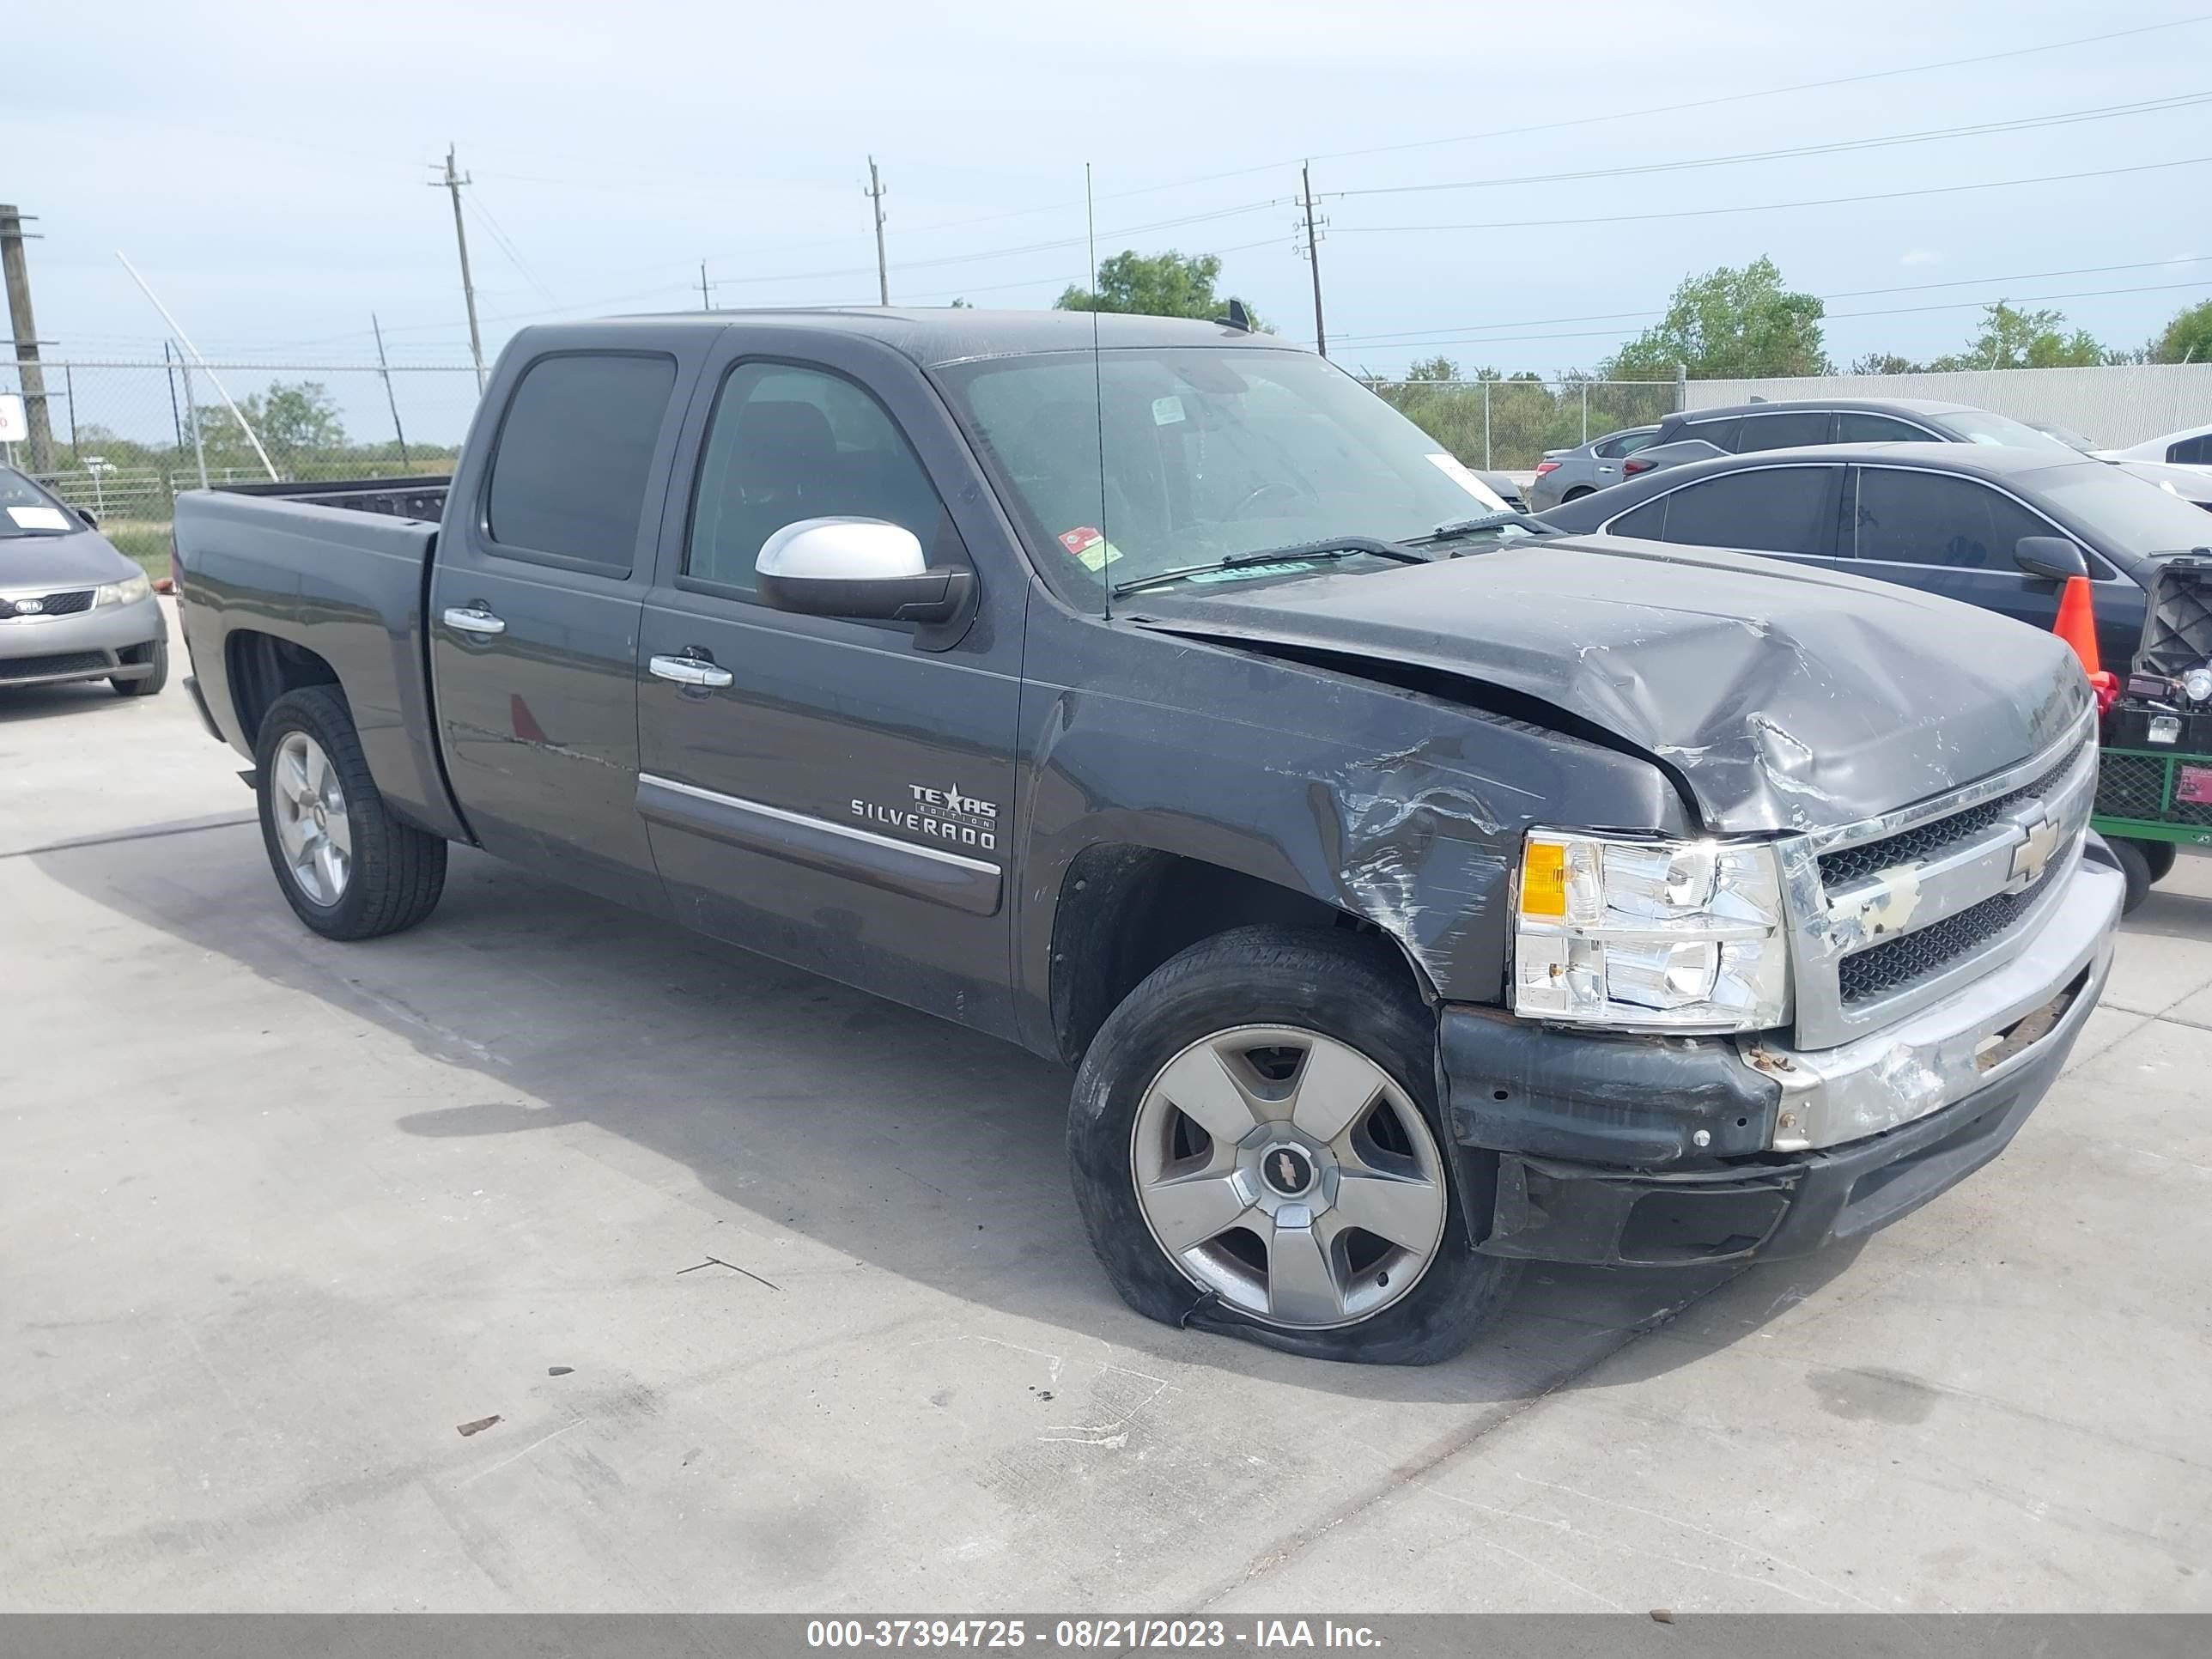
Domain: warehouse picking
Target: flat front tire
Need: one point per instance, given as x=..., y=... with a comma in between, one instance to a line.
x=1257, y=1150
x=349, y=869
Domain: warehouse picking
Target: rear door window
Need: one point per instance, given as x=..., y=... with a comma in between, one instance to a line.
x=2191, y=452
x=1798, y=426
x=1933, y=518
x=575, y=458
x=1768, y=509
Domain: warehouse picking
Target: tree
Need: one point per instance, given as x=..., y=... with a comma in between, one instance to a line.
x=1169, y=284
x=2187, y=338
x=1883, y=362
x=296, y=421
x=2024, y=339
x=1726, y=324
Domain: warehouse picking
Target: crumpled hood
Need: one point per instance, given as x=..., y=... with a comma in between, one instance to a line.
x=79, y=558
x=1782, y=697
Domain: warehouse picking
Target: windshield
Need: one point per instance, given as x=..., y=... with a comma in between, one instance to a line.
x=2132, y=515
x=1208, y=455
x=1978, y=426
x=27, y=510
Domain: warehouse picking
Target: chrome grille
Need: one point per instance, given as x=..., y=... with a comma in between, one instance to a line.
x=1895, y=915
x=1850, y=864
x=1914, y=957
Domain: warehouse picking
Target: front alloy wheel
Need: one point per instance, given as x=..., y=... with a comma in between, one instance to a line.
x=1256, y=1147
x=1284, y=1171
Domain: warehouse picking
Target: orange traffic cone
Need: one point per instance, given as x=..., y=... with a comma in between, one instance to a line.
x=2077, y=624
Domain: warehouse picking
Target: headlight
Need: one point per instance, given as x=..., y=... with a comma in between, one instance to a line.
x=123, y=592
x=2197, y=685
x=1650, y=935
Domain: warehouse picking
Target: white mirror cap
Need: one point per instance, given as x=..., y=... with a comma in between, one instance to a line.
x=841, y=550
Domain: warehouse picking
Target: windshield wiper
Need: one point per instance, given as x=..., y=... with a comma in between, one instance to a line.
x=1329, y=547
x=1452, y=528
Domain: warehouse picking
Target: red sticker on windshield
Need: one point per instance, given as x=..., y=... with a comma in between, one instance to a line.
x=1081, y=540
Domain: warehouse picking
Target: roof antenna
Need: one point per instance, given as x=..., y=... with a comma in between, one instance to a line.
x=1238, y=318
x=1098, y=398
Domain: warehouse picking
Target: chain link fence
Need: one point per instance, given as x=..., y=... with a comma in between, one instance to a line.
x=121, y=439
x=1506, y=425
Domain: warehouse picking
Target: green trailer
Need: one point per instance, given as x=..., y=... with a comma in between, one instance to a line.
x=2150, y=804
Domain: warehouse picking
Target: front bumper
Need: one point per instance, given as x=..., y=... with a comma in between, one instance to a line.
x=1617, y=1151
x=109, y=641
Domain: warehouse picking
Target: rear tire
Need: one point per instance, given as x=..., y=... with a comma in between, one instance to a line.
x=2135, y=865
x=150, y=684
x=1576, y=494
x=348, y=868
x=1272, y=1019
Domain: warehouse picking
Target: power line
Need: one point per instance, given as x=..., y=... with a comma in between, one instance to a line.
x=1772, y=207
x=2106, y=113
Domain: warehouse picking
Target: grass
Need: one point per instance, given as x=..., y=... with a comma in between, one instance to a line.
x=147, y=543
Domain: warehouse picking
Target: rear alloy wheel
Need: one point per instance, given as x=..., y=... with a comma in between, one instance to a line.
x=308, y=808
x=1256, y=1148
x=349, y=868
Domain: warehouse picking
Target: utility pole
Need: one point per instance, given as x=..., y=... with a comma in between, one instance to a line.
x=875, y=195
x=1310, y=246
x=382, y=363
x=453, y=182
x=17, y=272
x=706, y=300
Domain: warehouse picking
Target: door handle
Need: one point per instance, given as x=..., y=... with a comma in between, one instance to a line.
x=689, y=671
x=474, y=619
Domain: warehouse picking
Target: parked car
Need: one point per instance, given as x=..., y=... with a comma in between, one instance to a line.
x=1406, y=916
x=1503, y=486
x=1943, y=517
x=1566, y=475
x=2192, y=483
x=2191, y=446
x=72, y=607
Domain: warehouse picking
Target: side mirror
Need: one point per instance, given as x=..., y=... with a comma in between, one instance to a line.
x=863, y=568
x=91, y=518
x=2053, y=558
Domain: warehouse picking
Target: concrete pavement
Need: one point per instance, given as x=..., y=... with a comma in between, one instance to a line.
x=774, y=1297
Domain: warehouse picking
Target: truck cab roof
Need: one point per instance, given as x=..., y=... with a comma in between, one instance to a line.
x=931, y=336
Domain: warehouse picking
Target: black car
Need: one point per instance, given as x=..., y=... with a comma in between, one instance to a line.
x=1742, y=428
x=1945, y=518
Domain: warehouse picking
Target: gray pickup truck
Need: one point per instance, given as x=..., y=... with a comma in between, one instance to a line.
x=1413, y=896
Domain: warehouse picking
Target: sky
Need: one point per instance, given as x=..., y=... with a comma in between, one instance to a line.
x=269, y=169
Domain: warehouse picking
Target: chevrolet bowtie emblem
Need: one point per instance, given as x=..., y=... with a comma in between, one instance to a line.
x=2033, y=856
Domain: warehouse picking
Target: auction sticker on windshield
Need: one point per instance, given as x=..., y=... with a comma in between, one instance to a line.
x=1090, y=546
x=39, y=518
x=1456, y=470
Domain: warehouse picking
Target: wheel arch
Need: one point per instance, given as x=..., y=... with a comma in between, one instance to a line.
x=1125, y=908
x=260, y=667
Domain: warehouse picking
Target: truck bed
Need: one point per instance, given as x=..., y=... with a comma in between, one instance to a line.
x=422, y=498
x=264, y=566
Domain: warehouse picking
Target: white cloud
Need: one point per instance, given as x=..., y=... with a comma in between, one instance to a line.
x=1919, y=256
